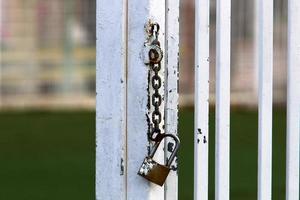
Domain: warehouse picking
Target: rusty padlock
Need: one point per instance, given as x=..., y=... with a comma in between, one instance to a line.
x=153, y=171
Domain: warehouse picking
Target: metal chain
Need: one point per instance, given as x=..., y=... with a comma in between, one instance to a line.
x=156, y=101
x=156, y=83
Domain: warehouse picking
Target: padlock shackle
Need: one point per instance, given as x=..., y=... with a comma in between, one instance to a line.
x=177, y=144
x=157, y=143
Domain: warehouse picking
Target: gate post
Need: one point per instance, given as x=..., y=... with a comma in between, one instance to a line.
x=122, y=96
x=111, y=100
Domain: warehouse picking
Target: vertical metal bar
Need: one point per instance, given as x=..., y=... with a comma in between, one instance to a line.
x=3, y=17
x=139, y=12
x=293, y=101
x=265, y=62
x=68, y=46
x=223, y=100
x=171, y=90
x=111, y=100
x=201, y=100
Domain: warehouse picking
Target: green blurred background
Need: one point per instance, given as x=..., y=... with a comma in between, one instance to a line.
x=51, y=155
x=47, y=100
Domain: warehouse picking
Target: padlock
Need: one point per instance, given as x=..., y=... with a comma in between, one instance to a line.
x=152, y=170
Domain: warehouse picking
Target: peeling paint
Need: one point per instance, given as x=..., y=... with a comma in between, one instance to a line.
x=170, y=146
x=204, y=140
x=199, y=131
x=174, y=167
x=122, y=167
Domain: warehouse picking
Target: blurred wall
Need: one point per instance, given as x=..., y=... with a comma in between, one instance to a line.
x=48, y=53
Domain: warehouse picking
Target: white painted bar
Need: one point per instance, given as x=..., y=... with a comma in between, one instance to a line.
x=201, y=99
x=139, y=12
x=293, y=101
x=111, y=101
x=171, y=90
x=265, y=62
x=222, y=171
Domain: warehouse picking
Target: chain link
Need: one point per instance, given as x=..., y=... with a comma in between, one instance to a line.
x=156, y=83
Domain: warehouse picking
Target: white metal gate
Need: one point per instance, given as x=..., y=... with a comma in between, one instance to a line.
x=122, y=97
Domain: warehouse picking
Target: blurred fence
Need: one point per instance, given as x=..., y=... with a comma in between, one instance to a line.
x=48, y=53
x=244, y=74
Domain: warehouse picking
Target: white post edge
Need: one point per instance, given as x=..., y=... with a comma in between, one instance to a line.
x=110, y=101
x=293, y=101
x=201, y=131
x=171, y=91
x=265, y=62
x=222, y=173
